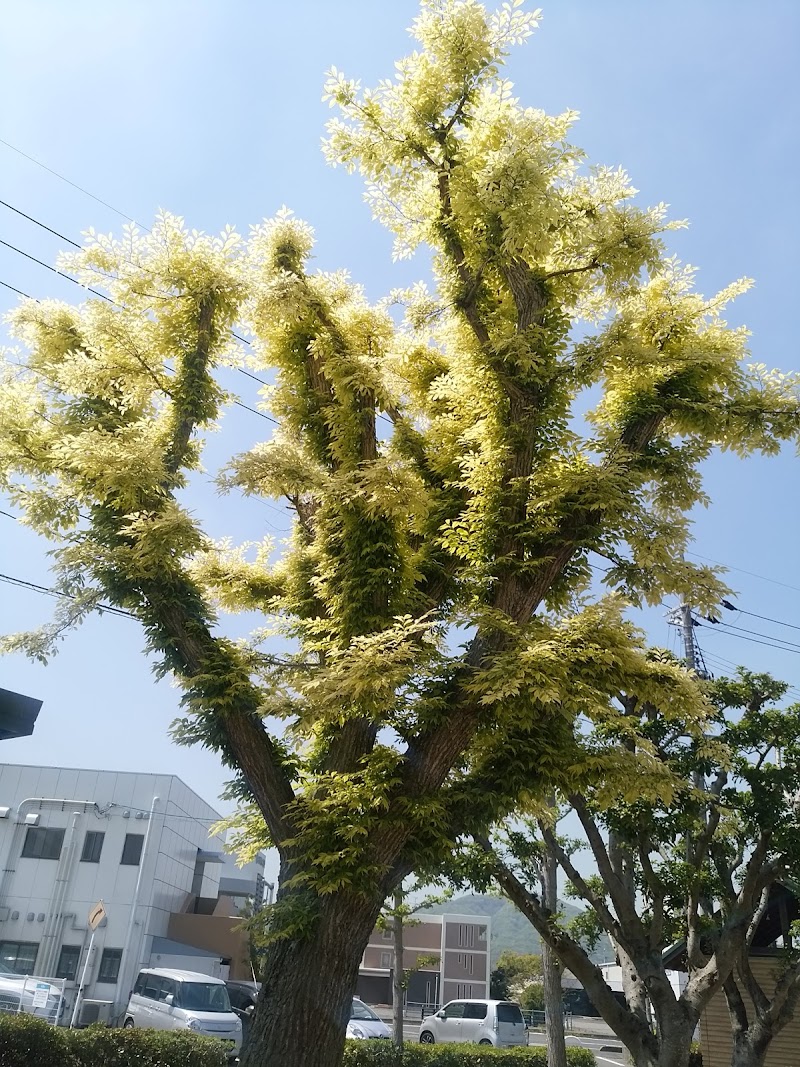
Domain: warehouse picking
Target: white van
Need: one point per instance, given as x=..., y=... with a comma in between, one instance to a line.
x=166, y=999
x=487, y=1022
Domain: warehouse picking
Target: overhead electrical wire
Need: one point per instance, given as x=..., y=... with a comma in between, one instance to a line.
x=55, y=270
x=41, y=225
x=741, y=570
x=47, y=590
x=75, y=244
x=73, y=184
x=19, y=292
x=725, y=626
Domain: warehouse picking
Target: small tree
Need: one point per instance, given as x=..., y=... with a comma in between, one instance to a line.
x=470, y=516
x=692, y=852
x=396, y=918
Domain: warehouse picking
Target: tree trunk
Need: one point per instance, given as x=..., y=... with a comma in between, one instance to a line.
x=551, y=968
x=398, y=971
x=749, y=1051
x=308, y=984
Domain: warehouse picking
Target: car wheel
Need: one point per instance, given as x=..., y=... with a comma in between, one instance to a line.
x=427, y=1038
x=128, y=1024
x=484, y=1041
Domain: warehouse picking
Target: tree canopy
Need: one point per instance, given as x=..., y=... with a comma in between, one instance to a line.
x=437, y=588
x=689, y=862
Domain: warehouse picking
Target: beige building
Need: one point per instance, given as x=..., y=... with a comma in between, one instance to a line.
x=448, y=955
x=774, y=931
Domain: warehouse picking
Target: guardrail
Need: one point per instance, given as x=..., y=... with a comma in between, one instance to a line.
x=32, y=995
x=536, y=1020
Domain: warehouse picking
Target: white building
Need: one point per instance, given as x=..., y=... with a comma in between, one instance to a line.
x=70, y=838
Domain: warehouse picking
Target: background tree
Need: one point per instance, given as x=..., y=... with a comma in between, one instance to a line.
x=691, y=854
x=519, y=968
x=405, y=903
x=427, y=681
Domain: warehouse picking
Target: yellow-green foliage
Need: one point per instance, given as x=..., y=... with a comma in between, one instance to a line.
x=472, y=517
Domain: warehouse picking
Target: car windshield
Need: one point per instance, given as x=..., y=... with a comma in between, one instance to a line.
x=203, y=996
x=509, y=1013
x=361, y=1011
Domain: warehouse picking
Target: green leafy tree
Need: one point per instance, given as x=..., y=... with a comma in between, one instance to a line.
x=429, y=680
x=519, y=967
x=690, y=843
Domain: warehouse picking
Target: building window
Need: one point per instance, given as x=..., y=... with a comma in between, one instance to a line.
x=464, y=989
x=466, y=935
x=43, y=843
x=109, y=966
x=132, y=849
x=18, y=956
x=386, y=933
x=68, y=962
x=386, y=959
x=92, y=846
x=481, y=933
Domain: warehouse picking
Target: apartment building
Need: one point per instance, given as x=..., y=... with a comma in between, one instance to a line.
x=448, y=956
x=70, y=838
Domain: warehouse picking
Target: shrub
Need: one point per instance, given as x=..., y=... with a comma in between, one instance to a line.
x=696, y=1056
x=25, y=1040
x=382, y=1054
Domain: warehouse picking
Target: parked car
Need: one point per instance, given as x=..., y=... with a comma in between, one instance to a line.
x=33, y=996
x=243, y=995
x=166, y=999
x=364, y=1023
x=487, y=1022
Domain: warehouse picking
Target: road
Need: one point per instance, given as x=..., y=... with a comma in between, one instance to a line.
x=604, y=1048
x=600, y=1046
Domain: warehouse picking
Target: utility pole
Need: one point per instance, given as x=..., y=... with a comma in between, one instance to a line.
x=687, y=629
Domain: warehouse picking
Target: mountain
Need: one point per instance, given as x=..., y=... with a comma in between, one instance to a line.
x=510, y=928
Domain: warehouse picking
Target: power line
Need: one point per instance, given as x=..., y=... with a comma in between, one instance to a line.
x=19, y=292
x=725, y=626
x=764, y=618
x=730, y=567
x=42, y=226
x=755, y=641
x=63, y=237
x=22, y=583
x=55, y=270
x=73, y=184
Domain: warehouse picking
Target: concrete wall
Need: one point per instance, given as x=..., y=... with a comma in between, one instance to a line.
x=217, y=933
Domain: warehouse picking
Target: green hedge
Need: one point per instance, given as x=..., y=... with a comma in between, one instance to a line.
x=26, y=1041
x=383, y=1054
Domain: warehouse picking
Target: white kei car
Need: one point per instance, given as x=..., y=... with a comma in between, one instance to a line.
x=486, y=1022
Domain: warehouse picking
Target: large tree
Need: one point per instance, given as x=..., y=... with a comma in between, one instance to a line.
x=427, y=681
x=691, y=832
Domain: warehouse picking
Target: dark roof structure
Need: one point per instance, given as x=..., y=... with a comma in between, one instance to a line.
x=783, y=908
x=17, y=714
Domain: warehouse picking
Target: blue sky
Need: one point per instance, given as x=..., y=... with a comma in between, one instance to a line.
x=213, y=111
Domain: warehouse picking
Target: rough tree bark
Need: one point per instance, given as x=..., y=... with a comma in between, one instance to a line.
x=551, y=970
x=308, y=985
x=398, y=971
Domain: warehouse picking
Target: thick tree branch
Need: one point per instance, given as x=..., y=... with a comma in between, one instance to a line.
x=629, y=1027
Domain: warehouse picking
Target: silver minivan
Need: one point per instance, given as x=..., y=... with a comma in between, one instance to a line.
x=167, y=999
x=487, y=1022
